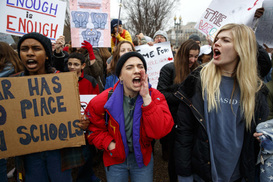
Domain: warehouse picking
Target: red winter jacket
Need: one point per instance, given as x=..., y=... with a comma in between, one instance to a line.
x=155, y=122
x=88, y=85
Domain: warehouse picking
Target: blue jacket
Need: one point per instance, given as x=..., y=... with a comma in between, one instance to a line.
x=110, y=81
x=8, y=70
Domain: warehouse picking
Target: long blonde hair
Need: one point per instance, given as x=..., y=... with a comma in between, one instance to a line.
x=246, y=73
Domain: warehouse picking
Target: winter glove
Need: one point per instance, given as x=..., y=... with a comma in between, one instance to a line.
x=86, y=45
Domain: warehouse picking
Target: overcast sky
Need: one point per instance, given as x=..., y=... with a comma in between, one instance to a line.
x=189, y=10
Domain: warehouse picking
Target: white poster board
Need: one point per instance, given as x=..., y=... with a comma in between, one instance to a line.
x=221, y=12
x=85, y=99
x=26, y=16
x=264, y=31
x=156, y=57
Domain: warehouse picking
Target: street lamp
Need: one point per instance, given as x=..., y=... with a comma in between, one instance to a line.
x=177, y=27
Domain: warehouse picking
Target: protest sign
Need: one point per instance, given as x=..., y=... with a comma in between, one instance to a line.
x=264, y=31
x=39, y=113
x=44, y=16
x=221, y=12
x=90, y=21
x=85, y=99
x=156, y=57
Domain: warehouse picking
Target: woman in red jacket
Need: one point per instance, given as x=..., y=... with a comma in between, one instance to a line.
x=135, y=115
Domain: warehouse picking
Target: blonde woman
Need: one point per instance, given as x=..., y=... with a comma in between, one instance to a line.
x=221, y=104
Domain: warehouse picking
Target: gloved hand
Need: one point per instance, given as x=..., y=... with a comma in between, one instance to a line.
x=86, y=45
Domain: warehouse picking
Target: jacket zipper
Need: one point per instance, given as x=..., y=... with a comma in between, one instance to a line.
x=183, y=98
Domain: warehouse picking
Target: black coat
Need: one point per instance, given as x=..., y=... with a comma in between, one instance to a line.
x=264, y=62
x=192, y=152
x=59, y=61
x=168, y=88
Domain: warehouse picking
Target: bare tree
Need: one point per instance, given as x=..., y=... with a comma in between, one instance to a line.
x=147, y=16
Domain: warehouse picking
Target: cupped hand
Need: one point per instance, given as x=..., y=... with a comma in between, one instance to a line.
x=144, y=89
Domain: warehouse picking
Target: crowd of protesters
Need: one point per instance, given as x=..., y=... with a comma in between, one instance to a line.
x=205, y=109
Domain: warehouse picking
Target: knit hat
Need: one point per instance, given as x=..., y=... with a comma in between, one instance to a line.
x=114, y=23
x=46, y=43
x=195, y=37
x=161, y=32
x=125, y=57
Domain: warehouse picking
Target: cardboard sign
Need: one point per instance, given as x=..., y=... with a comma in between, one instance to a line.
x=90, y=21
x=264, y=32
x=39, y=113
x=156, y=57
x=85, y=99
x=221, y=12
x=19, y=17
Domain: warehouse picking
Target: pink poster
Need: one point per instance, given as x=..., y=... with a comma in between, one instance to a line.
x=90, y=21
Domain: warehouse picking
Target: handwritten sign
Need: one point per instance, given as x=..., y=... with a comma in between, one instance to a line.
x=19, y=17
x=264, y=32
x=223, y=12
x=39, y=113
x=156, y=57
x=85, y=99
x=90, y=21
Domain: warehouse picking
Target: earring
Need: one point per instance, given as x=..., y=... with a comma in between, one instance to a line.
x=121, y=82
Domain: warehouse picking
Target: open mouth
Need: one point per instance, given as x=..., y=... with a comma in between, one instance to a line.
x=216, y=54
x=32, y=63
x=136, y=81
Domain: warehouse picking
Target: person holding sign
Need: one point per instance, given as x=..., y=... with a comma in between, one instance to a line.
x=221, y=104
x=171, y=75
x=87, y=85
x=59, y=57
x=94, y=63
x=125, y=119
x=35, y=52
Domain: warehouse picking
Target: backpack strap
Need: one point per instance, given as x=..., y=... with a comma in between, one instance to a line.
x=106, y=114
